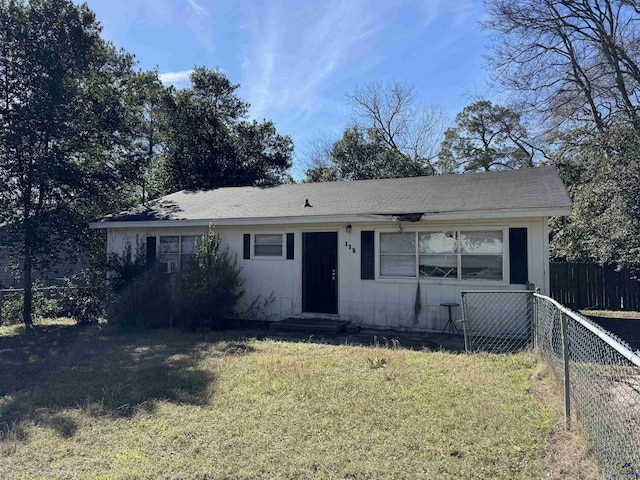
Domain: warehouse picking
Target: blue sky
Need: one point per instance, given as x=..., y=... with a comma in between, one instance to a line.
x=297, y=60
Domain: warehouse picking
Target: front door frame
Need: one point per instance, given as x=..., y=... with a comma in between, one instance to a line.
x=305, y=308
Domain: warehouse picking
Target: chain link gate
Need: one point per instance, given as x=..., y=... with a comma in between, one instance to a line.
x=497, y=321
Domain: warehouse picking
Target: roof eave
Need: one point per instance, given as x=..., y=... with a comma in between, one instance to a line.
x=313, y=219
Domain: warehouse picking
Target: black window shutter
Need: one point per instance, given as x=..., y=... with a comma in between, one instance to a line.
x=289, y=246
x=151, y=251
x=246, y=253
x=367, y=255
x=518, y=256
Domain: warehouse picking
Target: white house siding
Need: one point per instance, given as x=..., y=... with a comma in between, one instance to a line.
x=380, y=303
x=389, y=303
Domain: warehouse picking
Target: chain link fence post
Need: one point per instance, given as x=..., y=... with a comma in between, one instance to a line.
x=465, y=332
x=564, y=331
x=599, y=372
x=535, y=320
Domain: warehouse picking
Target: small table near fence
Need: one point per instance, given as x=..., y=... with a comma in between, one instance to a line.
x=450, y=327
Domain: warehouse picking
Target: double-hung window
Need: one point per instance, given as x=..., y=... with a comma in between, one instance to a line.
x=169, y=252
x=397, y=254
x=188, y=248
x=177, y=251
x=451, y=254
x=438, y=254
x=267, y=245
x=481, y=255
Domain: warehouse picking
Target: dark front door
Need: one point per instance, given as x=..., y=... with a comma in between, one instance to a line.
x=320, y=272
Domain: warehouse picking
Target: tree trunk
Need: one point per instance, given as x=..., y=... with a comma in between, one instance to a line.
x=28, y=290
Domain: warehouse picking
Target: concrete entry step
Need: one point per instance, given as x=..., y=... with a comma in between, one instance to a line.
x=310, y=325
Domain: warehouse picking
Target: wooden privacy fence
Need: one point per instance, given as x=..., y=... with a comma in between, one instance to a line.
x=588, y=285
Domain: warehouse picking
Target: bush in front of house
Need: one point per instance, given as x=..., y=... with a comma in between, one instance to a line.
x=144, y=302
x=84, y=296
x=139, y=295
x=126, y=268
x=209, y=288
x=201, y=295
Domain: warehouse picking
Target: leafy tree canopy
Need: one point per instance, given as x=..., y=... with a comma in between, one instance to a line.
x=147, y=121
x=363, y=154
x=63, y=127
x=604, y=182
x=210, y=143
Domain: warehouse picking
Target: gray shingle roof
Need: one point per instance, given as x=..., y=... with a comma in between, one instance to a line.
x=535, y=188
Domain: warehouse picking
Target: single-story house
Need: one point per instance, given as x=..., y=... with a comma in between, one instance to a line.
x=358, y=250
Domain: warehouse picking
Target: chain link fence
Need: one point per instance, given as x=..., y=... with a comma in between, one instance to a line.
x=497, y=321
x=601, y=379
x=599, y=372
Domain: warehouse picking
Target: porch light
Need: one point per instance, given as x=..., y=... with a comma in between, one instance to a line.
x=349, y=227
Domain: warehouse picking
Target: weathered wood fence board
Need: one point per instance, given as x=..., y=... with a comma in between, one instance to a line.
x=587, y=285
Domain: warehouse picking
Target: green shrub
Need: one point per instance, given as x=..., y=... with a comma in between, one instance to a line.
x=145, y=302
x=209, y=287
x=140, y=296
x=203, y=294
x=84, y=296
x=42, y=305
x=126, y=268
x=12, y=308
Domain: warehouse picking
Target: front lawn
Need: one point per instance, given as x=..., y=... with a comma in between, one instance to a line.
x=91, y=403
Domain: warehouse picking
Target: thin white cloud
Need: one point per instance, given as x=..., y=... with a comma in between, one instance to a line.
x=258, y=63
x=201, y=23
x=191, y=13
x=177, y=79
x=198, y=8
x=286, y=66
x=461, y=10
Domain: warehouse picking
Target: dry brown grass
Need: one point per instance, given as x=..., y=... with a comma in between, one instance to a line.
x=611, y=314
x=570, y=455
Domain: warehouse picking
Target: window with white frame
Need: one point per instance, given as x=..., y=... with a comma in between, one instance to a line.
x=169, y=252
x=438, y=254
x=397, y=254
x=481, y=254
x=188, y=248
x=267, y=245
x=177, y=251
x=454, y=255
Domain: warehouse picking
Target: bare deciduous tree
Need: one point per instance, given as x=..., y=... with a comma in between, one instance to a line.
x=573, y=61
x=404, y=125
x=391, y=135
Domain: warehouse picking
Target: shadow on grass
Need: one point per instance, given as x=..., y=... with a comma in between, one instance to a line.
x=101, y=372
x=382, y=339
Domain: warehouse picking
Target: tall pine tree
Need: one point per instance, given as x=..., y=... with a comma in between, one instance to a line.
x=62, y=128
